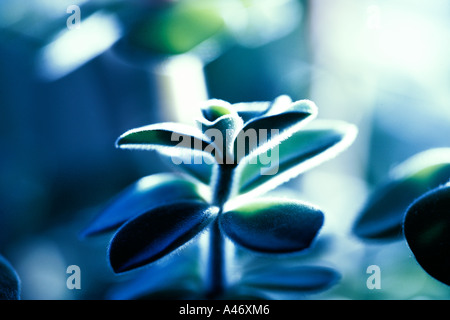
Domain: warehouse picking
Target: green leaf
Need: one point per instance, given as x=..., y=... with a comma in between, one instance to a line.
x=154, y=234
x=317, y=142
x=171, y=139
x=177, y=28
x=215, y=108
x=427, y=232
x=222, y=132
x=145, y=194
x=261, y=134
x=272, y=225
x=382, y=215
x=9, y=281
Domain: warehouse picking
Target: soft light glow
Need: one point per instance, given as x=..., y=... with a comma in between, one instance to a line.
x=73, y=48
x=409, y=41
x=182, y=87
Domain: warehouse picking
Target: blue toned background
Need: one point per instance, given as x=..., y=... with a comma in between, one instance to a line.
x=67, y=94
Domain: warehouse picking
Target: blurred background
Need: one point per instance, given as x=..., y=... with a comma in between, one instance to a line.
x=72, y=81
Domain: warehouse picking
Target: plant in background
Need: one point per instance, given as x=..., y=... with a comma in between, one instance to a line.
x=142, y=30
x=414, y=204
x=237, y=153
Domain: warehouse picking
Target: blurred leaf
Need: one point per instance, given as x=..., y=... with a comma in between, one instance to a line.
x=9, y=281
x=177, y=28
x=237, y=292
x=176, y=278
x=306, y=148
x=383, y=213
x=272, y=225
x=427, y=232
x=154, y=234
x=67, y=51
x=172, y=292
x=269, y=130
x=171, y=139
x=301, y=279
x=147, y=193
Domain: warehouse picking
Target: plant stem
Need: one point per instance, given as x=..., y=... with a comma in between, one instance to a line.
x=223, y=184
x=216, y=264
x=217, y=276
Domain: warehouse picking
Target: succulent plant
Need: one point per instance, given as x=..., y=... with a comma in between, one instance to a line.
x=237, y=153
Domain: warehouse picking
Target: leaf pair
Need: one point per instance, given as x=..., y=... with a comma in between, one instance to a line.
x=223, y=135
x=168, y=220
x=181, y=278
x=270, y=142
x=178, y=280
x=415, y=204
